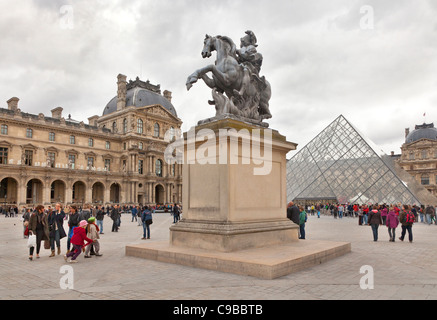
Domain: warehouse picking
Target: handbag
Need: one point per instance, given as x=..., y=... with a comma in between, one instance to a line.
x=46, y=244
x=149, y=222
x=31, y=242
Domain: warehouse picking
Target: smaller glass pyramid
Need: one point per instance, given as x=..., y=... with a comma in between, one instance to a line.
x=340, y=165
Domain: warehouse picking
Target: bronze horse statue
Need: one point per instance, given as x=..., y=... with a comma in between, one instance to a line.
x=235, y=89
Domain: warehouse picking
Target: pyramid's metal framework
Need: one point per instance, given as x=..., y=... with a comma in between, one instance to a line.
x=339, y=164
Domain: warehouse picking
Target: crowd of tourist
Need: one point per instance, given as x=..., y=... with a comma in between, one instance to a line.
x=82, y=226
x=373, y=215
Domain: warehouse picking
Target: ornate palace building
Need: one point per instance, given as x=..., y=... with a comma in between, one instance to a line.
x=117, y=157
x=419, y=155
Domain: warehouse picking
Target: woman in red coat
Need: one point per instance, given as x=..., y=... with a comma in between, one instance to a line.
x=78, y=241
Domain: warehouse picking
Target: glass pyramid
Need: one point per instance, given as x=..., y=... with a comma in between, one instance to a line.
x=340, y=165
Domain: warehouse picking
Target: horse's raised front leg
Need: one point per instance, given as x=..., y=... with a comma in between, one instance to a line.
x=208, y=81
x=192, y=79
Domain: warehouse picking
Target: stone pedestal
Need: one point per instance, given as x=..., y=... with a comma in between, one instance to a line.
x=234, y=206
x=234, y=190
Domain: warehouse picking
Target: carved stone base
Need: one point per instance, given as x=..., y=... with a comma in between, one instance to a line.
x=230, y=237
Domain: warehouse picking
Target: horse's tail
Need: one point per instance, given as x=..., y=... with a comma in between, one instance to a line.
x=265, y=96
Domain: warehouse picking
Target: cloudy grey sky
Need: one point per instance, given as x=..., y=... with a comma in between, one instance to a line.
x=319, y=59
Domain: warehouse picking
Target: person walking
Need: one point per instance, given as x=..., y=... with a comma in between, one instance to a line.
x=365, y=214
x=73, y=222
x=92, y=231
x=100, y=215
x=85, y=213
x=176, y=213
x=303, y=216
x=407, y=219
x=146, y=218
x=335, y=211
x=134, y=212
x=56, y=228
x=360, y=215
x=392, y=222
x=375, y=220
x=340, y=211
x=140, y=209
x=39, y=226
x=384, y=213
x=114, y=218
x=429, y=212
x=26, y=218
x=78, y=241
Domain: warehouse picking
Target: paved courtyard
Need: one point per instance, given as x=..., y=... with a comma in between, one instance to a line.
x=401, y=270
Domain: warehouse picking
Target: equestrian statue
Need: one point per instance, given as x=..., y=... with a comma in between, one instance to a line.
x=237, y=87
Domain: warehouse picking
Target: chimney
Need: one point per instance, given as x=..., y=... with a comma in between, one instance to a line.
x=13, y=103
x=167, y=95
x=92, y=121
x=121, y=92
x=57, y=113
x=392, y=153
x=407, y=132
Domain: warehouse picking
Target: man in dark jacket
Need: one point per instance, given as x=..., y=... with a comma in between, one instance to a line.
x=114, y=217
x=293, y=212
x=99, y=218
x=176, y=213
x=56, y=228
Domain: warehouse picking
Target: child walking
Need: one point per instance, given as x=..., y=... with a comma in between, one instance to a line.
x=92, y=232
x=78, y=241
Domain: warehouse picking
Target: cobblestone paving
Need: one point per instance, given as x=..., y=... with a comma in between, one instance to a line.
x=402, y=270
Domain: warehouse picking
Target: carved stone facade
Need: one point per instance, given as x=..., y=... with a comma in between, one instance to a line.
x=116, y=158
x=419, y=156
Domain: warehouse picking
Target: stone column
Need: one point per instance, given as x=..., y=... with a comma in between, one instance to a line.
x=89, y=193
x=68, y=194
x=21, y=193
x=107, y=194
x=46, y=194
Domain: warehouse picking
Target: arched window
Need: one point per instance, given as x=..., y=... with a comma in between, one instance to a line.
x=125, y=125
x=156, y=131
x=158, y=168
x=140, y=126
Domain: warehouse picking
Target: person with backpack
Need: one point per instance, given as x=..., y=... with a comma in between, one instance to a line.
x=146, y=218
x=407, y=219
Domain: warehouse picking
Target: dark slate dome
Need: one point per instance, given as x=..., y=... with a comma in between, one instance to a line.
x=141, y=94
x=425, y=131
